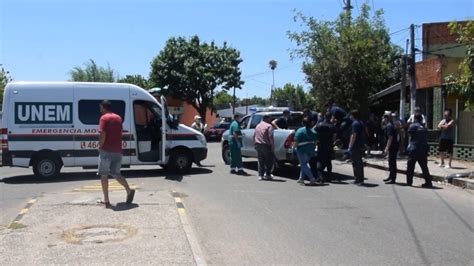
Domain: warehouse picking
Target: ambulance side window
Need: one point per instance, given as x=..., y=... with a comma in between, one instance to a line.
x=89, y=110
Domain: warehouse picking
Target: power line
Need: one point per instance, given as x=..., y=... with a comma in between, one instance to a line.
x=398, y=31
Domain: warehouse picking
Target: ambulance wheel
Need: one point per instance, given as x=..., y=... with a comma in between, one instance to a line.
x=46, y=166
x=181, y=161
x=226, y=154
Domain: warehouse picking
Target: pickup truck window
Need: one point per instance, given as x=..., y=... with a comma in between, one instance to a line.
x=244, y=122
x=255, y=120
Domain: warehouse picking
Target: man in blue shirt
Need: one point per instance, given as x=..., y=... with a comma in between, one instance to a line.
x=356, y=147
x=418, y=152
x=391, y=148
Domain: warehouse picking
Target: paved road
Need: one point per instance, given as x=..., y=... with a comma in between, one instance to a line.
x=239, y=220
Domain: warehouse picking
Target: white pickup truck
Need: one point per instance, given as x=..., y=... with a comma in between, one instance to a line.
x=283, y=138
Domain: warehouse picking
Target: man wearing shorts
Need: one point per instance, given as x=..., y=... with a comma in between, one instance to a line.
x=110, y=152
x=446, y=140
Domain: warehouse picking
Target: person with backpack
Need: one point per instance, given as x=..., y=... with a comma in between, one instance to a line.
x=356, y=147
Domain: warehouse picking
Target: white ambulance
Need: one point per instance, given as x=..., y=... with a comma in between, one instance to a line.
x=48, y=125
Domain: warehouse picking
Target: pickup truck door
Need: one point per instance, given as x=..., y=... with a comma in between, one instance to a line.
x=244, y=124
x=248, y=136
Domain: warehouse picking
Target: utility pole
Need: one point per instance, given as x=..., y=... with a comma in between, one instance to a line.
x=403, y=87
x=233, y=104
x=412, y=70
x=348, y=8
x=403, y=83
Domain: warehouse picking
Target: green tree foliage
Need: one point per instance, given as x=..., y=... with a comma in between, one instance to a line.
x=4, y=79
x=293, y=96
x=92, y=73
x=462, y=82
x=138, y=80
x=191, y=70
x=347, y=60
x=223, y=98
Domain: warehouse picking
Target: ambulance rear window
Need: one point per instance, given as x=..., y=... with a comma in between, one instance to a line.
x=89, y=110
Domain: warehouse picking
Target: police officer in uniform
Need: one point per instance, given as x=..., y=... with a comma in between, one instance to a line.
x=326, y=133
x=418, y=151
x=391, y=148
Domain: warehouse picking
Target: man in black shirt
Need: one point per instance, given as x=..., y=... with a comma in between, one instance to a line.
x=391, y=148
x=418, y=152
x=326, y=133
x=282, y=122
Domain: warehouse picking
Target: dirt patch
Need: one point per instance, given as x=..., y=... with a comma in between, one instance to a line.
x=98, y=233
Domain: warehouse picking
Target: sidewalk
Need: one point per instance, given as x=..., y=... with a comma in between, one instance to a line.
x=440, y=174
x=70, y=228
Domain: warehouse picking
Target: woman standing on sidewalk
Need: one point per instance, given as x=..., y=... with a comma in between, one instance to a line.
x=305, y=144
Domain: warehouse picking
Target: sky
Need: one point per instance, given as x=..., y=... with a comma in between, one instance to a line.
x=44, y=39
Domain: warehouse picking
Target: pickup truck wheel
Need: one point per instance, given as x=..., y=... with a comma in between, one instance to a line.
x=46, y=167
x=226, y=154
x=181, y=161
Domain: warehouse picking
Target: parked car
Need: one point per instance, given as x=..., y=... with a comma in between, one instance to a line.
x=283, y=138
x=215, y=132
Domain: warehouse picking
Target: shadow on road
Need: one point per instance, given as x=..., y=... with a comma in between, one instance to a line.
x=92, y=175
x=122, y=206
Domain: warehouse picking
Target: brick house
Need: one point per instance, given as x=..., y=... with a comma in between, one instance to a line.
x=441, y=55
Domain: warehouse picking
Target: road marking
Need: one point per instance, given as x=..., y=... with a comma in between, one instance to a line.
x=113, y=186
x=190, y=235
x=23, y=211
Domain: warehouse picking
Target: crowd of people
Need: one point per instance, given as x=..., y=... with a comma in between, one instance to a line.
x=315, y=140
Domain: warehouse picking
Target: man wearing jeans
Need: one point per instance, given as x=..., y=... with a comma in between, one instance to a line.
x=110, y=152
x=263, y=140
x=305, y=144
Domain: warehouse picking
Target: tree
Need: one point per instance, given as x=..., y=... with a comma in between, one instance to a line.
x=273, y=65
x=293, y=96
x=191, y=70
x=222, y=98
x=347, y=62
x=138, y=80
x=4, y=79
x=92, y=73
x=462, y=82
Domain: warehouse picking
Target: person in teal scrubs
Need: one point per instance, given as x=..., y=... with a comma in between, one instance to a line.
x=235, y=144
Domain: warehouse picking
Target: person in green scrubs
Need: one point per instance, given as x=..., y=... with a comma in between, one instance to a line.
x=235, y=144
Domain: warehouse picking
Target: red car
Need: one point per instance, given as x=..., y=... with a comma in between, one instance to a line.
x=215, y=132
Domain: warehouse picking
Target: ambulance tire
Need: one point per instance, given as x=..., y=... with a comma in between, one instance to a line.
x=46, y=165
x=181, y=161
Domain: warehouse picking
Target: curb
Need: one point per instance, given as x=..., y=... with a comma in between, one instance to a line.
x=465, y=183
x=434, y=177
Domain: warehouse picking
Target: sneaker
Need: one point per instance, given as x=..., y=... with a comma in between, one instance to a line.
x=387, y=179
x=269, y=177
x=301, y=182
x=447, y=167
x=312, y=183
x=260, y=178
x=233, y=172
